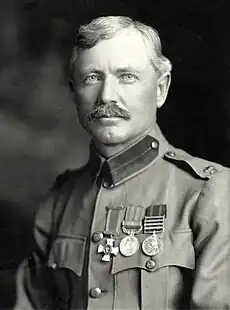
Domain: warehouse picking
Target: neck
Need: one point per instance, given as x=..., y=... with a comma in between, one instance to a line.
x=110, y=150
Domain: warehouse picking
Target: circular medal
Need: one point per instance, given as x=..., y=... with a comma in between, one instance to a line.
x=151, y=245
x=129, y=245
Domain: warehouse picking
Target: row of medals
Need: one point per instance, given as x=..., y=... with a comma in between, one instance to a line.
x=130, y=244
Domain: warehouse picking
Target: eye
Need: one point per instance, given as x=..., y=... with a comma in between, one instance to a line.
x=92, y=79
x=128, y=78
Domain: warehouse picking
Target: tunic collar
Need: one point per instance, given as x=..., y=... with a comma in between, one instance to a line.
x=132, y=161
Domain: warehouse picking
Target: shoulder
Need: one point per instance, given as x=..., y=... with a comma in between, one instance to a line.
x=56, y=198
x=67, y=177
x=199, y=167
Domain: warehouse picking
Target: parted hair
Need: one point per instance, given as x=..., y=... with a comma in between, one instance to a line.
x=107, y=27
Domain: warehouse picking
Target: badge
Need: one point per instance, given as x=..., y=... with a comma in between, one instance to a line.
x=152, y=245
x=108, y=250
x=132, y=225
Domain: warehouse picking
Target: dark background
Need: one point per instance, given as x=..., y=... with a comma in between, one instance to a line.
x=39, y=132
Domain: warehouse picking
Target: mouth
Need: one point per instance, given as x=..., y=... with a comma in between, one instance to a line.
x=111, y=120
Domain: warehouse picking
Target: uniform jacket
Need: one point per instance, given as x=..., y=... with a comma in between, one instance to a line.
x=192, y=268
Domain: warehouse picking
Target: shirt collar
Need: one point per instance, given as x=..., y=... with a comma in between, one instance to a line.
x=128, y=163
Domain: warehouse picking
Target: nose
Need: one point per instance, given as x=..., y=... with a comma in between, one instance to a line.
x=108, y=91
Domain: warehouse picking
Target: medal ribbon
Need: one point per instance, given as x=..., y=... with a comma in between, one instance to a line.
x=113, y=220
x=154, y=219
x=133, y=219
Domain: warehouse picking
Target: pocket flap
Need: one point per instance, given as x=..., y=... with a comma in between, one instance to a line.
x=68, y=252
x=177, y=251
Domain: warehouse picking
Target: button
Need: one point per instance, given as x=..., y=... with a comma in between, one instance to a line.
x=209, y=169
x=97, y=236
x=171, y=154
x=95, y=292
x=53, y=265
x=154, y=145
x=106, y=184
x=150, y=264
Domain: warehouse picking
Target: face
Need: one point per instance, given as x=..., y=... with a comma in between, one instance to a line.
x=116, y=89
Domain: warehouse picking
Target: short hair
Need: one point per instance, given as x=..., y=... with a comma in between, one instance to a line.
x=107, y=27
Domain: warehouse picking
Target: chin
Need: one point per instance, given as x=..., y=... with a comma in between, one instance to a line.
x=109, y=136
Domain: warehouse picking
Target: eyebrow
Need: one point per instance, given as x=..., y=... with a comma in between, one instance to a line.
x=89, y=70
x=128, y=69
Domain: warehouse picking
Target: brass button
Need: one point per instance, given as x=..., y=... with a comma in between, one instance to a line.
x=97, y=236
x=154, y=145
x=95, y=292
x=171, y=154
x=106, y=184
x=209, y=169
x=53, y=265
x=150, y=264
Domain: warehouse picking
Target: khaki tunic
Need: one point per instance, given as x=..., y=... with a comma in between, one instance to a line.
x=192, y=270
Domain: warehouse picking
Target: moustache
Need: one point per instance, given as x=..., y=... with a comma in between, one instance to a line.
x=108, y=110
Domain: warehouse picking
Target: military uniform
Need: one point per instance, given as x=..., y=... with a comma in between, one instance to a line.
x=146, y=229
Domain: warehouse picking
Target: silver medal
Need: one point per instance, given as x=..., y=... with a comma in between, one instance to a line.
x=129, y=245
x=152, y=245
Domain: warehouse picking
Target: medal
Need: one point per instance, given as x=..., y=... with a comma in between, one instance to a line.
x=152, y=245
x=131, y=226
x=154, y=225
x=129, y=245
x=108, y=250
x=113, y=222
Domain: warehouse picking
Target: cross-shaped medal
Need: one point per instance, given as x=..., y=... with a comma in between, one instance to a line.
x=108, y=249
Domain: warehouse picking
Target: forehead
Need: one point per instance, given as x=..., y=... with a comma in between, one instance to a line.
x=126, y=48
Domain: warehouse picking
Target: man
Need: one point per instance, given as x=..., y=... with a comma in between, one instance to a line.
x=143, y=225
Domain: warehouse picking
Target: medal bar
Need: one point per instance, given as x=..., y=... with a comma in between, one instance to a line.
x=154, y=224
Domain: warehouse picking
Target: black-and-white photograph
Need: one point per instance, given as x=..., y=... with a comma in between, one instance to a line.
x=115, y=155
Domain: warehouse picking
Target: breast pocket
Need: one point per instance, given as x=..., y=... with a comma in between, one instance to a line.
x=161, y=276
x=68, y=252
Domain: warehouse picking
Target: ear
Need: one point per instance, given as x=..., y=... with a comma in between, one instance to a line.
x=72, y=93
x=163, y=84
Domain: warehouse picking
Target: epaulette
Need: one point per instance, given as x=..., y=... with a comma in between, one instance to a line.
x=67, y=175
x=203, y=168
x=62, y=178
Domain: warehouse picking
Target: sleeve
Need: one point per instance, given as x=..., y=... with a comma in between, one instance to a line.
x=211, y=225
x=35, y=286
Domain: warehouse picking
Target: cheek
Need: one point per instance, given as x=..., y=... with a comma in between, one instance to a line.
x=86, y=97
x=141, y=101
